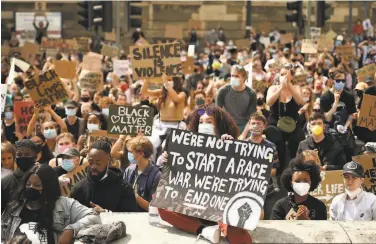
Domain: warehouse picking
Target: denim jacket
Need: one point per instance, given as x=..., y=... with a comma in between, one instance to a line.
x=68, y=214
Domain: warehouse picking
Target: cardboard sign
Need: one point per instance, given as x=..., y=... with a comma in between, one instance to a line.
x=23, y=112
x=121, y=67
x=286, y=38
x=208, y=178
x=242, y=43
x=92, y=61
x=367, y=114
x=29, y=50
x=110, y=36
x=46, y=89
x=5, y=49
x=156, y=60
x=194, y=24
x=188, y=66
x=309, y=46
x=75, y=176
x=174, y=31
x=91, y=80
x=65, y=69
x=3, y=89
x=366, y=72
x=83, y=44
x=141, y=42
x=331, y=185
x=51, y=52
x=43, y=116
x=369, y=164
x=315, y=33
x=330, y=34
x=109, y=51
x=265, y=26
x=127, y=120
x=325, y=42
x=98, y=134
x=345, y=51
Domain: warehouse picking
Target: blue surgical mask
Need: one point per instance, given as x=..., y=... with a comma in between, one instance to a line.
x=235, y=82
x=50, y=133
x=105, y=111
x=339, y=86
x=309, y=80
x=92, y=127
x=8, y=115
x=131, y=158
x=108, y=79
x=67, y=165
x=70, y=112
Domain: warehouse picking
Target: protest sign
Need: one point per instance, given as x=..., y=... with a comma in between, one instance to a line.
x=109, y=51
x=141, y=42
x=83, y=44
x=369, y=164
x=265, y=40
x=28, y=36
x=367, y=114
x=367, y=24
x=309, y=46
x=242, y=43
x=46, y=88
x=191, y=51
x=174, y=31
x=127, y=120
x=325, y=42
x=366, y=72
x=92, y=61
x=331, y=185
x=265, y=26
x=194, y=24
x=23, y=111
x=286, y=38
x=3, y=89
x=98, y=134
x=121, y=67
x=330, y=34
x=75, y=176
x=156, y=60
x=110, y=36
x=315, y=33
x=24, y=21
x=29, y=50
x=91, y=80
x=213, y=179
x=65, y=69
x=51, y=52
x=43, y=116
x=345, y=51
x=188, y=66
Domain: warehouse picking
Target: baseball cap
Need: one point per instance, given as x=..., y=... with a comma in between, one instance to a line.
x=368, y=80
x=354, y=168
x=71, y=152
x=370, y=147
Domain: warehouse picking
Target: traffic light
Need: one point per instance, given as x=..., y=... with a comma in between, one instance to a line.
x=323, y=13
x=86, y=12
x=102, y=15
x=297, y=15
x=135, y=14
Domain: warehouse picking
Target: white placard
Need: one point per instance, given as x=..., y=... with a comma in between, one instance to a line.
x=121, y=67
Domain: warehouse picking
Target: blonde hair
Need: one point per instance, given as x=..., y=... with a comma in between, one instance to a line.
x=141, y=144
x=7, y=147
x=65, y=134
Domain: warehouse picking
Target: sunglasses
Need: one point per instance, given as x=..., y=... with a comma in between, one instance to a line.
x=208, y=111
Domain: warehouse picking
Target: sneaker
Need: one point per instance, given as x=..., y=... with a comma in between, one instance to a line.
x=211, y=233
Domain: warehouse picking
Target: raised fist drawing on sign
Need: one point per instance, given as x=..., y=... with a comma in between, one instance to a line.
x=244, y=213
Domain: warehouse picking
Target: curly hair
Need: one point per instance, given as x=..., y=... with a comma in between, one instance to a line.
x=177, y=88
x=28, y=144
x=224, y=124
x=298, y=164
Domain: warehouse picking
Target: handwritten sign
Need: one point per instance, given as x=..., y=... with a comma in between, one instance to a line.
x=91, y=80
x=345, y=51
x=127, y=120
x=75, y=176
x=121, y=67
x=194, y=24
x=286, y=38
x=83, y=44
x=156, y=60
x=92, y=61
x=369, y=164
x=216, y=180
x=315, y=33
x=367, y=114
x=29, y=50
x=366, y=72
x=23, y=111
x=325, y=42
x=110, y=36
x=46, y=89
x=242, y=43
x=188, y=66
x=174, y=31
x=141, y=42
x=309, y=46
x=65, y=69
x=109, y=51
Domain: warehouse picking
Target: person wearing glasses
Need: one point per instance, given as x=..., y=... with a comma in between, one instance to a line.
x=236, y=98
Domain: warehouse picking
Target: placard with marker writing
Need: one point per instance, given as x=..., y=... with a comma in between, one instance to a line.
x=309, y=46
x=128, y=120
x=91, y=80
x=214, y=179
x=23, y=111
x=367, y=114
x=369, y=164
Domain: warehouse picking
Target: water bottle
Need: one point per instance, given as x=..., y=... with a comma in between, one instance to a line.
x=154, y=218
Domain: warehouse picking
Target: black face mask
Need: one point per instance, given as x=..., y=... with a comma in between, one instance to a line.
x=359, y=93
x=97, y=177
x=260, y=101
x=32, y=194
x=25, y=163
x=85, y=99
x=217, y=56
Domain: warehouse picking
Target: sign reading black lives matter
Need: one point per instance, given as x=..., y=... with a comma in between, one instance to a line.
x=127, y=120
x=156, y=60
x=216, y=180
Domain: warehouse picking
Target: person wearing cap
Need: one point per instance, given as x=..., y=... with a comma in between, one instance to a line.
x=75, y=125
x=70, y=160
x=370, y=148
x=354, y=203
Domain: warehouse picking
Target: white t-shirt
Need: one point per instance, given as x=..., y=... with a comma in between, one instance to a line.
x=350, y=210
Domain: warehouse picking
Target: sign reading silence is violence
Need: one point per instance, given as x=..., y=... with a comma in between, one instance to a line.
x=213, y=179
x=46, y=89
x=23, y=111
x=156, y=60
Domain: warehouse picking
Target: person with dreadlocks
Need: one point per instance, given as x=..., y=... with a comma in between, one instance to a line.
x=103, y=189
x=26, y=155
x=38, y=210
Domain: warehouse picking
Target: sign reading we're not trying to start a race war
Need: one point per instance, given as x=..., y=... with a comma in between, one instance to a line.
x=214, y=179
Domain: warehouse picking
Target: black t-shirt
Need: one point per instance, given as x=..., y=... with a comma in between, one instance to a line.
x=10, y=132
x=348, y=99
x=317, y=209
x=75, y=129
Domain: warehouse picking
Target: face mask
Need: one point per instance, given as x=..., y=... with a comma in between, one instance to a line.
x=353, y=194
x=67, y=165
x=25, y=163
x=339, y=86
x=301, y=188
x=281, y=79
x=70, y=112
x=50, y=133
x=256, y=131
x=260, y=101
x=63, y=148
x=317, y=130
x=309, y=80
x=92, y=127
x=85, y=99
x=32, y=194
x=131, y=158
x=206, y=129
x=8, y=115
x=305, y=99
x=109, y=80
x=200, y=102
x=105, y=111
x=235, y=82
x=97, y=177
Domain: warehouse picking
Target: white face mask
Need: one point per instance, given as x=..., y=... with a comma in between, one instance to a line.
x=281, y=78
x=92, y=127
x=206, y=129
x=305, y=99
x=301, y=188
x=353, y=194
x=235, y=82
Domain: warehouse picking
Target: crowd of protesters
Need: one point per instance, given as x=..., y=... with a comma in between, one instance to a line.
x=233, y=93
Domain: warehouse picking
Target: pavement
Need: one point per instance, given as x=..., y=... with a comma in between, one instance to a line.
x=139, y=231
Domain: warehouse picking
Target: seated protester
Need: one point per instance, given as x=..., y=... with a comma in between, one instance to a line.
x=39, y=206
x=8, y=156
x=141, y=174
x=92, y=122
x=330, y=151
x=74, y=124
x=300, y=178
x=119, y=151
x=103, y=189
x=45, y=155
x=70, y=159
x=26, y=154
x=354, y=203
x=370, y=148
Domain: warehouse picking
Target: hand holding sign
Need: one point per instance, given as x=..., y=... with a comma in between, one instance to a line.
x=97, y=208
